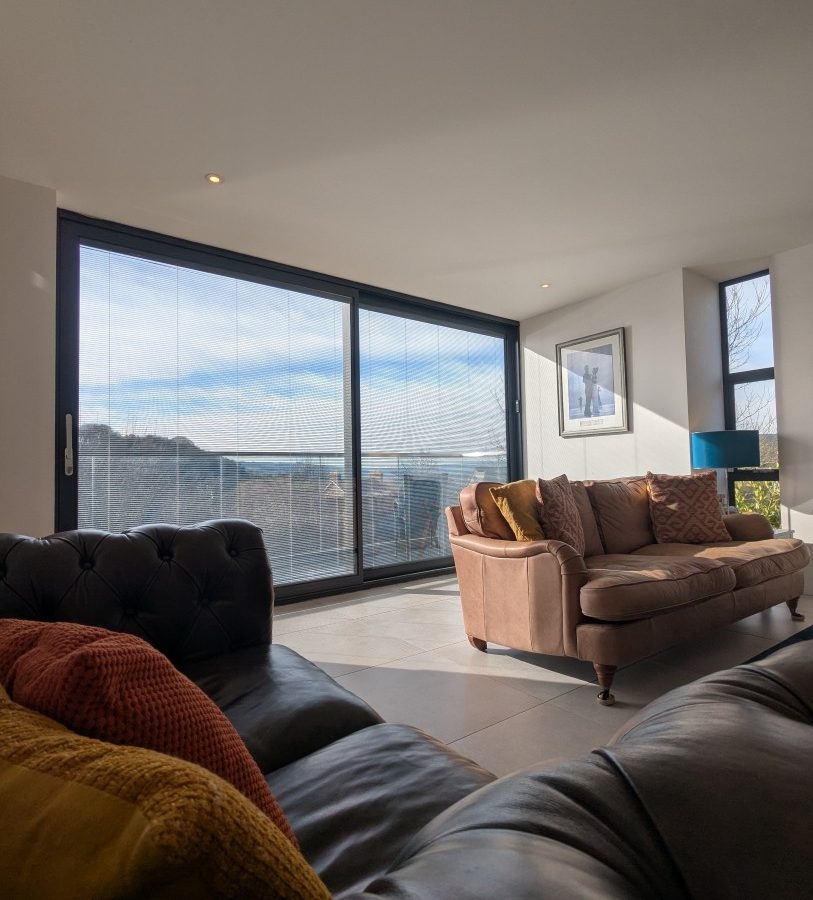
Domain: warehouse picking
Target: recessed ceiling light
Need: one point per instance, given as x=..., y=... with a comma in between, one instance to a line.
x=214, y=178
x=544, y=284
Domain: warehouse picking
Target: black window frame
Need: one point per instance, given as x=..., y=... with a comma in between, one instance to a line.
x=74, y=230
x=730, y=382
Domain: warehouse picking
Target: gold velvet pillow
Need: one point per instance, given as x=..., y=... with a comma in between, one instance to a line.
x=685, y=509
x=83, y=818
x=517, y=502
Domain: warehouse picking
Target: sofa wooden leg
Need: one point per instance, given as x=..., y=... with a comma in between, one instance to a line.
x=477, y=643
x=796, y=616
x=605, y=676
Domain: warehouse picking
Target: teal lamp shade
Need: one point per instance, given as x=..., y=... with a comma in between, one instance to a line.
x=725, y=449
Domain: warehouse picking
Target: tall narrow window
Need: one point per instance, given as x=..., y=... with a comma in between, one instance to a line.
x=750, y=394
x=203, y=395
x=432, y=420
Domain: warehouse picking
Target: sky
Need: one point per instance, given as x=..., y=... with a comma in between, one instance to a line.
x=760, y=351
x=238, y=366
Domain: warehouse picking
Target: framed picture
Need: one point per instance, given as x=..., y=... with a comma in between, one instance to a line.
x=592, y=385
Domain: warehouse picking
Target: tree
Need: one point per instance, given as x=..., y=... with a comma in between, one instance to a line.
x=744, y=318
x=755, y=402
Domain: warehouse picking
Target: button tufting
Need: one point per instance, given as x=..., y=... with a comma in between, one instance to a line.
x=232, y=551
x=130, y=611
x=86, y=564
x=166, y=556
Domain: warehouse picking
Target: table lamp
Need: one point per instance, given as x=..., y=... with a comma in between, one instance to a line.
x=725, y=450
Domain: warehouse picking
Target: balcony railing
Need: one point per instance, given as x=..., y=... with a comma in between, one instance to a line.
x=303, y=501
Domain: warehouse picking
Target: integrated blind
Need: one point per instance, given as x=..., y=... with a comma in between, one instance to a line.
x=203, y=396
x=432, y=421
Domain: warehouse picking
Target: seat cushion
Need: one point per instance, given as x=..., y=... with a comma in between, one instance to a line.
x=624, y=586
x=753, y=562
x=282, y=706
x=83, y=818
x=622, y=513
x=356, y=803
x=117, y=688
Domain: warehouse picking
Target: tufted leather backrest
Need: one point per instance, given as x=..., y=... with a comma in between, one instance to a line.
x=193, y=591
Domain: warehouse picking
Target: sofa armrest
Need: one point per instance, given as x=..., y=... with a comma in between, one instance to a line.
x=192, y=592
x=566, y=556
x=520, y=594
x=748, y=527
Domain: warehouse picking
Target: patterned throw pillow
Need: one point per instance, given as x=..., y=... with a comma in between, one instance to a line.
x=118, y=688
x=559, y=513
x=685, y=509
x=517, y=503
x=84, y=818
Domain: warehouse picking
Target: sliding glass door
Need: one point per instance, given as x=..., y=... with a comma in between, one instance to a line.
x=202, y=396
x=432, y=421
x=196, y=384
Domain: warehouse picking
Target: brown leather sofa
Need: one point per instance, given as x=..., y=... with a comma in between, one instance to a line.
x=627, y=597
x=705, y=794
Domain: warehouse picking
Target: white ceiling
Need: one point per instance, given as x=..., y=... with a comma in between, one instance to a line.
x=460, y=150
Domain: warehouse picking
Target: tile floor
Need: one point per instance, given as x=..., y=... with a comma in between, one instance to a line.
x=403, y=649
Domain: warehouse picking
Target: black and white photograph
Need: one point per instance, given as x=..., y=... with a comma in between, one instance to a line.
x=591, y=384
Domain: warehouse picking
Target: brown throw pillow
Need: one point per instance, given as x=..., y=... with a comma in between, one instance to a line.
x=558, y=511
x=685, y=509
x=517, y=502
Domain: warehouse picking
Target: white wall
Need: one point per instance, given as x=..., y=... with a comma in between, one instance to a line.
x=27, y=341
x=704, y=357
x=652, y=312
x=792, y=301
x=704, y=362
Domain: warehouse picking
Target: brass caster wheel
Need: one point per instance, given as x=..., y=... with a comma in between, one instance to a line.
x=797, y=617
x=605, y=698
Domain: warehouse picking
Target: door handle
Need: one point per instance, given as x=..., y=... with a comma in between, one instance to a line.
x=69, y=444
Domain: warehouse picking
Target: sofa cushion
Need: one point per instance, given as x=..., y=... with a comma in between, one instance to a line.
x=622, y=513
x=356, y=803
x=592, y=539
x=558, y=512
x=685, y=508
x=722, y=767
x=753, y=562
x=621, y=587
x=481, y=514
x=282, y=706
x=84, y=818
x=517, y=501
x=118, y=688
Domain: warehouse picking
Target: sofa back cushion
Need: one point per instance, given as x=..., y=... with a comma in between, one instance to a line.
x=481, y=513
x=622, y=513
x=685, y=509
x=118, y=688
x=592, y=539
x=518, y=503
x=84, y=818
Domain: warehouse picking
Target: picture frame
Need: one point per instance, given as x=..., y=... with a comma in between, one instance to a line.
x=592, y=384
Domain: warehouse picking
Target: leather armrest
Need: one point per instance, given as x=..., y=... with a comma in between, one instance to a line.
x=748, y=527
x=568, y=558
